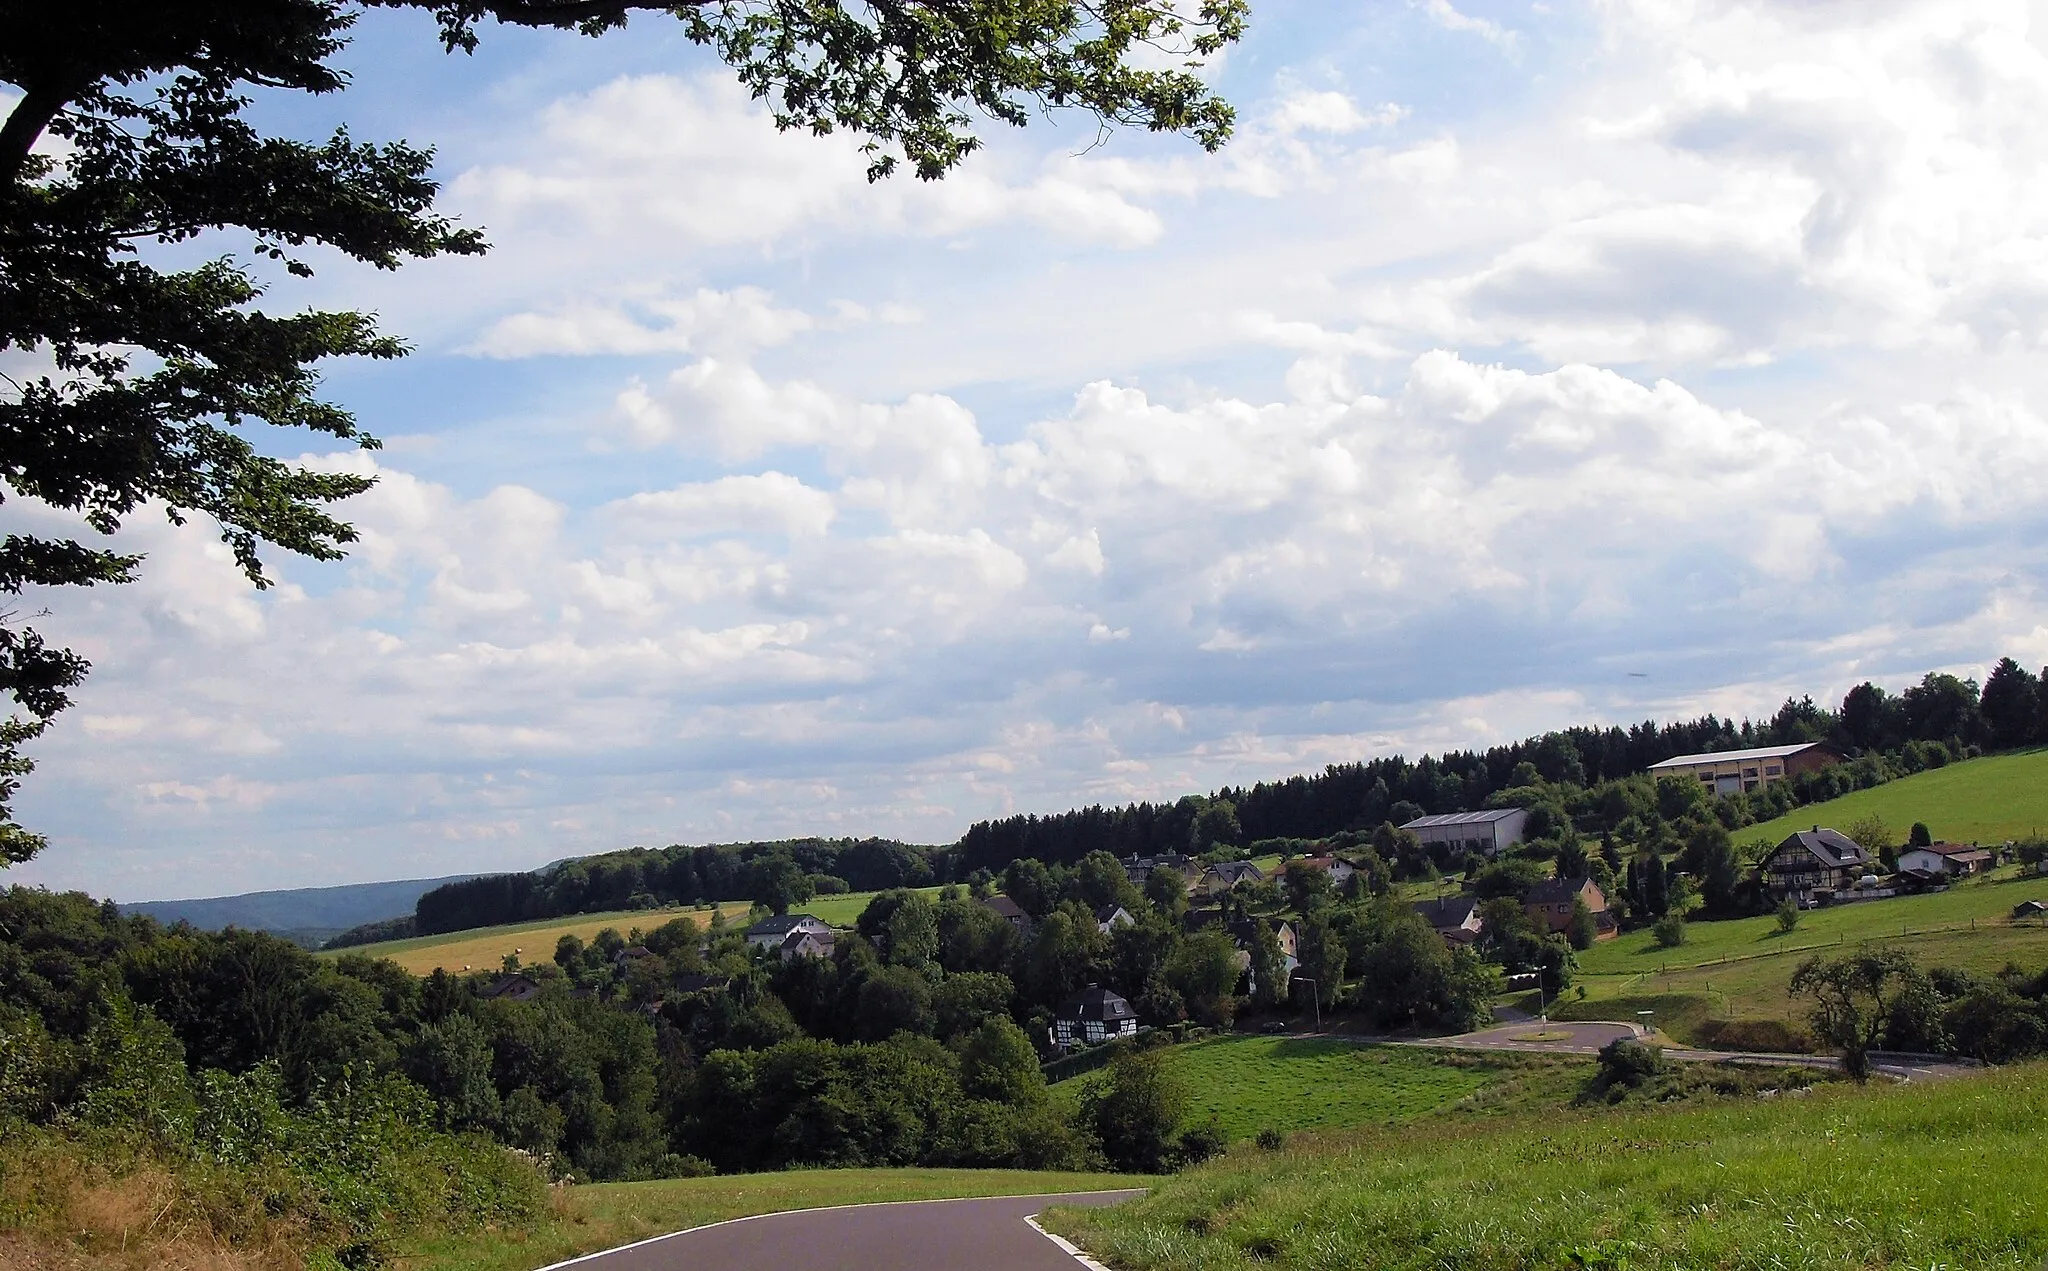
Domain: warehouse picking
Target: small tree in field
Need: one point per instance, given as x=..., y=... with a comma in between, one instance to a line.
x=1853, y=999
x=1669, y=931
x=1788, y=915
x=1136, y=1112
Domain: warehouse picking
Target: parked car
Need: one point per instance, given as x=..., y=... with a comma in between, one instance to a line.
x=1273, y=1026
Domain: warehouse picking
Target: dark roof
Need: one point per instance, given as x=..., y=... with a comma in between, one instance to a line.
x=519, y=988
x=1555, y=891
x=1831, y=847
x=781, y=924
x=1451, y=911
x=1095, y=1002
x=1103, y=913
x=1239, y=871
x=795, y=938
x=1006, y=907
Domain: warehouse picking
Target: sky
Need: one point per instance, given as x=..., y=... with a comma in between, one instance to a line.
x=1515, y=366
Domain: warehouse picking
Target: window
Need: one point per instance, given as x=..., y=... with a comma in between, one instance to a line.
x=1774, y=770
x=1749, y=772
x=1707, y=777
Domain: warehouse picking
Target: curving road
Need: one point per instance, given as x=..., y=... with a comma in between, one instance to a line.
x=915, y=1235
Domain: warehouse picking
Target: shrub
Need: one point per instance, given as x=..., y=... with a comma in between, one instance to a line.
x=1202, y=1142
x=1788, y=915
x=1669, y=931
x=1272, y=1140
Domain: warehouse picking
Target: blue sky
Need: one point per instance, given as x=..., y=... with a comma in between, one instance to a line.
x=1508, y=350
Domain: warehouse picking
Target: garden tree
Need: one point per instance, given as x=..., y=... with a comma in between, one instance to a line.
x=1032, y=886
x=973, y=937
x=1307, y=886
x=1408, y=976
x=1323, y=955
x=998, y=1062
x=139, y=377
x=1572, y=860
x=1709, y=856
x=1875, y=836
x=1919, y=835
x=1203, y=970
x=1853, y=1000
x=1788, y=915
x=2011, y=705
x=1061, y=951
x=903, y=926
x=1668, y=931
x=778, y=882
x=1268, y=966
x=1167, y=890
x=1942, y=708
x=1135, y=1111
x=963, y=1000
x=1099, y=879
x=451, y=1060
x=1872, y=720
x=891, y=1000
x=1215, y=825
x=1138, y=953
x=1649, y=892
x=1583, y=929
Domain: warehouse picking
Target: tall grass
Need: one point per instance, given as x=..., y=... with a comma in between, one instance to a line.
x=1945, y=1175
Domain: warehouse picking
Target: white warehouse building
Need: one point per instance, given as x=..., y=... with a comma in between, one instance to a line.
x=1490, y=831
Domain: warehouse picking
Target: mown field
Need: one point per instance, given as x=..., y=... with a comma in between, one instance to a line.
x=1845, y=1177
x=1248, y=1084
x=484, y=948
x=604, y=1215
x=1987, y=800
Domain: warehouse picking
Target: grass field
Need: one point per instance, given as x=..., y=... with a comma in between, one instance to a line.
x=1986, y=800
x=485, y=947
x=1250, y=1084
x=1741, y=969
x=604, y=1215
x=1841, y=1178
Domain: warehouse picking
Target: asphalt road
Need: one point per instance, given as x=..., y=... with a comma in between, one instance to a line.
x=929, y=1235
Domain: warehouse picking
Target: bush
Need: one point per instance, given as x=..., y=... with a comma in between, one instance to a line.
x=1272, y=1140
x=1669, y=931
x=1135, y=1112
x=1202, y=1142
x=1788, y=915
x=1625, y=1065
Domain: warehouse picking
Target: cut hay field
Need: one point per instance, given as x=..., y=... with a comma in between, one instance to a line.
x=484, y=948
x=1987, y=800
x=1248, y=1084
x=1835, y=1179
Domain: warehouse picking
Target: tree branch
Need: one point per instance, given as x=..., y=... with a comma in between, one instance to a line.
x=25, y=125
x=565, y=12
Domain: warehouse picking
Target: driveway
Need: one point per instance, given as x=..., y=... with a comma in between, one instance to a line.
x=918, y=1235
x=1535, y=1035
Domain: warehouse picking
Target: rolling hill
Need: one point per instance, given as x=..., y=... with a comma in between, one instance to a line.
x=305, y=913
x=1988, y=800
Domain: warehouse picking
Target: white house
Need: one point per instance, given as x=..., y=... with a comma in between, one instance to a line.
x=1095, y=1014
x=771, y=933
x=1109, y=917
x=1944, y=860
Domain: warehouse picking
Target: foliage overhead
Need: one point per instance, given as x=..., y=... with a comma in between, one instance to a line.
x=128, y=132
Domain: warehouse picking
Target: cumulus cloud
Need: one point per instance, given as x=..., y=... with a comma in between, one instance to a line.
x=1111, y=473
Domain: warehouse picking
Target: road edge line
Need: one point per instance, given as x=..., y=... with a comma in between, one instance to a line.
x=1068, y=1247
x=865, y=1204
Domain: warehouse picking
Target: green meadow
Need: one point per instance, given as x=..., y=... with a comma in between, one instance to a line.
x=1987, y=800
x=1939, y=1175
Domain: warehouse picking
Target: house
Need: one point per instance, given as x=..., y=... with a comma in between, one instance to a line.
x=1549, y=905
x=631, y=953
x=1093, y=1015
x=1811, y=861
x=1340, y=871
x=1225, y=876
x=1737, y=771
x=1944, y=860
x=1455, y=918
x=769, y=933
x=1009, y=911
x=511, y=988
x=687, y=984
x=808, y=944
x=1489, y=831
x=2030, y=909
x=1140, y=868
x=1109, y=917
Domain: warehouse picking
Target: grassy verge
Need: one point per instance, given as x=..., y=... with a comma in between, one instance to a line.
x=1840, y=1178
x=605, y=1215
x=1985, y=800
x=1248, y=1084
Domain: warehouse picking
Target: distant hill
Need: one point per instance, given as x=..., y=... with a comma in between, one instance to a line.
x=304, y=913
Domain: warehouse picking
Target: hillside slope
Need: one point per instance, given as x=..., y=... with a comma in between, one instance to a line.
x=1985, y=800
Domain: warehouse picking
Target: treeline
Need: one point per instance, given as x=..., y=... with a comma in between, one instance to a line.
x=785, y=872
x=2009, y=710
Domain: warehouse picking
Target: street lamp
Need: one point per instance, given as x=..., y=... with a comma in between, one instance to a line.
x=1315, y=996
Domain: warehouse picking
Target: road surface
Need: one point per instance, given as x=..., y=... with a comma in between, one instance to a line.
x=918, y=1235
x=1557, y=1037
